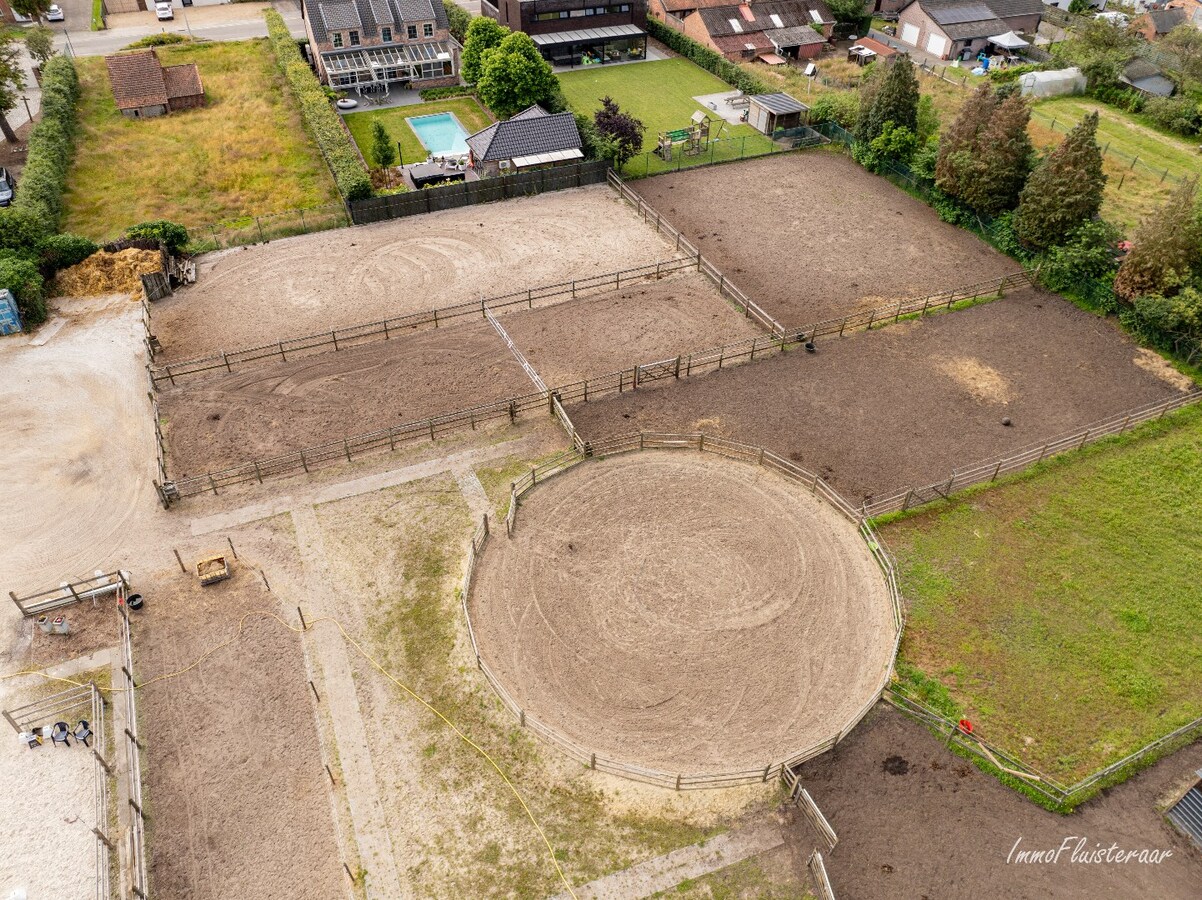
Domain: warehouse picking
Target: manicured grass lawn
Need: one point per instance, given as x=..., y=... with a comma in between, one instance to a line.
x=244, y=153
x=1133, y=189
x=660, y=93
x=471, y=116
x=1061, y=610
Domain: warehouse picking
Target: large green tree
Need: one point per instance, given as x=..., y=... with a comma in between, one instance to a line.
x=1065, y=191
x=12, y=82
x=1166, y=251
x=458, y=19
x=1004, y=158
x=482, y=35
x=960, y=143
x=893, y=99
x=39, y=40
x=514, y=75
x=1100, y=49
x=1186, y=42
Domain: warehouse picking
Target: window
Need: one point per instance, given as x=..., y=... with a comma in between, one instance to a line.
x=412, y=31
x=386, y=34
x=354, y=39
x=344, y=80
x=428, y=30
x=336, y=37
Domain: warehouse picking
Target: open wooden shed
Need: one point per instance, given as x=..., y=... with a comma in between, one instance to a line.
x=768, y=113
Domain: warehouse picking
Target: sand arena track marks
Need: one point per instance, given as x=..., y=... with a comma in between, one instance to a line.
x=683, y=612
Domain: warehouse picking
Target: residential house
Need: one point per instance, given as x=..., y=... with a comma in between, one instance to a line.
x=382, y=44
x=532, y=139
x=961, y=29
x=144, y=87
x=1191, y=8
x=577, y=32
x=773, y=31
x=1156, y=23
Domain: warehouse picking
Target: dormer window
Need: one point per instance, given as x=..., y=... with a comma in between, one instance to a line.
x=412, y=31
x=428, y=30
x=386, y=34
x=354, y=38
x=336, y=38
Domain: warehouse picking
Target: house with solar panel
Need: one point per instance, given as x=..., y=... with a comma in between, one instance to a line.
x=773, y=32
x=961, y=29
x=577, y=32
x=375, y=46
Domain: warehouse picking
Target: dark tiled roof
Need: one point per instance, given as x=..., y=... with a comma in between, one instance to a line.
x=1166, y=20
x=417, y=10
x=340, y=16
x=182, y=81
x=798, y=36
x=367, y=15
x=137, y=80
x=526, y=134
x=958, y=13
x=1009, y=9
x=533, y=112
x=790, y=13
x=966, y=31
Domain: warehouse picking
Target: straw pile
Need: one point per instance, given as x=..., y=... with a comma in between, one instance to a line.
x=109, y=273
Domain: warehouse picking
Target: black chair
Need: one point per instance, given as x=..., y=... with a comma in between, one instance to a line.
x=59, y=734
x=83, y=731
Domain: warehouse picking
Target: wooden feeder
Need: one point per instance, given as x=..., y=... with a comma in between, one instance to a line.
x=212, y=569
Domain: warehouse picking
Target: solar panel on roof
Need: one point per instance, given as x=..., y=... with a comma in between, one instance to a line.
x=957, y=15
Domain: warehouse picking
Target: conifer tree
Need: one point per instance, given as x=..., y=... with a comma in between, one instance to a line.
x=894, y=99
x=959, y=145
x=1003, y=160
x=1065, y=191
x=1167, y=248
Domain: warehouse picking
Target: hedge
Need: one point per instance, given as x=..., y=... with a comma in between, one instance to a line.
x=441, y=93
x=322, y=122
x=51, y=144
x=708, y=59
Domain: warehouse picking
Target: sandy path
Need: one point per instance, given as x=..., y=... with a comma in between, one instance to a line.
x=317, y=282
x=683, y=612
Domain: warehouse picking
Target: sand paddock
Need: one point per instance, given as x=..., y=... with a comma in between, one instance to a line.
x=683, y=612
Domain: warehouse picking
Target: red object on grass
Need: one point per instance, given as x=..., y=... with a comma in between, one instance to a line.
x=966, y=726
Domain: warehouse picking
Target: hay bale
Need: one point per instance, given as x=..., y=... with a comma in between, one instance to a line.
x=109, y=273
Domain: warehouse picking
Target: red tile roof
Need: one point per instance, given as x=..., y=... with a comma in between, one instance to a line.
x=182, y=81
x=137, y=80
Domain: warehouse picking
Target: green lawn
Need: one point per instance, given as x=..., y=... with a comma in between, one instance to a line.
x=660, y=93
x=244, y=153
x=471, y=116
x=1061, y=610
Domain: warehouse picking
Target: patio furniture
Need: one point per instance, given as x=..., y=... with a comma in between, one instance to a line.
x=30, y=739
x=60, y=733
x=83, y=731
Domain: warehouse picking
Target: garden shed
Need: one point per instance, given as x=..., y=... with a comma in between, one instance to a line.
x=1056, y=83
x=143, y=86
x=769, y=113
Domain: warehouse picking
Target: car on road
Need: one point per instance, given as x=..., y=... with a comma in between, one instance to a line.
x=164, y=11
x=8, y=187
x=55, y=13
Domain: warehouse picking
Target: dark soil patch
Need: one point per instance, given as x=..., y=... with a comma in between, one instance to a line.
x=812, y=236
x=266, y=411
x=946, y=828
x=903, y=405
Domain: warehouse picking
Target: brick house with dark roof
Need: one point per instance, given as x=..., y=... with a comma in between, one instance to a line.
x=382, y=44
x=960, y=29
x=776, y=30
x=577, y=32
x=532, y=139
x=1156, y=23
x=144, y=87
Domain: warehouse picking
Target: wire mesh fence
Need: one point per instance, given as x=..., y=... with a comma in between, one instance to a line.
x=721, y=150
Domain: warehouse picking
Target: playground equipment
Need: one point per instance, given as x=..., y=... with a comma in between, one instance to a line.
x=695, y=138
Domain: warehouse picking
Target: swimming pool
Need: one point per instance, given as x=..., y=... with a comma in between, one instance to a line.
x=440, y=133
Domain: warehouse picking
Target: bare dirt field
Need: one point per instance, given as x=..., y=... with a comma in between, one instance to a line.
x=234, y=780
x=933, y=825
x=605, y=618
x=812, y=236
x=303, y=285
x=593, y=336
x=265, y=411
x=904, y=404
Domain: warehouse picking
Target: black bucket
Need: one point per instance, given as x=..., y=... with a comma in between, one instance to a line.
x=134, y=601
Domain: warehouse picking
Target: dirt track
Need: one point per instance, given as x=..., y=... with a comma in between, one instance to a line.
x=233, y=771
x=683, y=612
x=811, y=236
x=941, y=828
x=265, y=411
x=597, y=335
x=312, y=283
x=904, y=404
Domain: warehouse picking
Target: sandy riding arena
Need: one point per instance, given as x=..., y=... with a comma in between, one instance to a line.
x=683, y=612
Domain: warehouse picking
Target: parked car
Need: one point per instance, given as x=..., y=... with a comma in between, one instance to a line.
x=8, y=187
x=164, y=11
x=55, y=13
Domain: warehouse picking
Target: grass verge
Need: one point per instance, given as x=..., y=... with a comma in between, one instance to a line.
x=244, y=152
x=1055, y=610
x=471, y=116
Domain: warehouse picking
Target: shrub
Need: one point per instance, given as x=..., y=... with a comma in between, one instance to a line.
x=173, y=235
x=20, y=275
x=442, y=93
x=1178, y=114
x=59, y=251
x=716, y=63
x=514, y=76
x=21, y=229
x=162, y=39
x=1123, y=97
x=841, y=108
x=322, y=123
x=51, y=143
x=483, y=34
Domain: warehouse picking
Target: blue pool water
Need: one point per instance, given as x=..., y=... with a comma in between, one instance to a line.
x=440, y=133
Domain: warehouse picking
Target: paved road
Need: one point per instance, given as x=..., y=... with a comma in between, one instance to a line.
x=235, y=25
